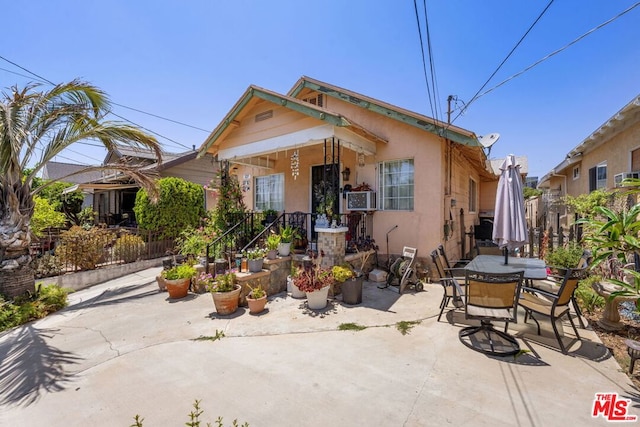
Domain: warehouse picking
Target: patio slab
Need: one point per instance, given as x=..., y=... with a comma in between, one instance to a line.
x=122, y=348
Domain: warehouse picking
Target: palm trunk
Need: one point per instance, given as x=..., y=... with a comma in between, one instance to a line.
x=16, y=274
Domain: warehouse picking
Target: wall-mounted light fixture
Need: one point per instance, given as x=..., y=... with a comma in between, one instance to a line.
x=345, y=174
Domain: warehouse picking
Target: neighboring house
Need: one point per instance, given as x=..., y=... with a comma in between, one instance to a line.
x=601, y=161
x=430, y=179
x=68, y=172
x=114, y=194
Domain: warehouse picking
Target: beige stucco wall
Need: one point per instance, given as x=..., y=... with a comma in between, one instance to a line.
x=423, y=227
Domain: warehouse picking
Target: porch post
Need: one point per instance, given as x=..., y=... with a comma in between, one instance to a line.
x=332, y=242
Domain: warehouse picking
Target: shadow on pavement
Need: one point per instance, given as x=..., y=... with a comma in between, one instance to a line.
x=29, y=366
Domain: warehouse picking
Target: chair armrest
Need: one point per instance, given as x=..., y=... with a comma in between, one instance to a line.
x=539, y=291
x=455, y=271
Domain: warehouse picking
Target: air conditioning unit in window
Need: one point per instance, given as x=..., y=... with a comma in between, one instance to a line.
x=361, y=200
x=618, y=178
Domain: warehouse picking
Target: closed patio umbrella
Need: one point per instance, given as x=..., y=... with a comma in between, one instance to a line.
x=509, y=224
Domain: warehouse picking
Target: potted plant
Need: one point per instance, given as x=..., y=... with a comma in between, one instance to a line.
x=350, y=283
x=315, y=281
x=273, y=240
x=291, y=286
x=287, y=235
x=256, y=299
x=225, y=293
x=177, y=280
x=202, y=282
x=255, y=258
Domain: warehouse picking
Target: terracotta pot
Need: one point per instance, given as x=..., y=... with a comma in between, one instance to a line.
x=256, y=305
x=317, y=300
x=178, y=288
x=226, y=302
x=162, y=285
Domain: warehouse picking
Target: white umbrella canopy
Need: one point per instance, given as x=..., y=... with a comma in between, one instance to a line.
x=509, y=223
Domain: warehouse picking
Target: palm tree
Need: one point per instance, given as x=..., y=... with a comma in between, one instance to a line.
x=35, y=126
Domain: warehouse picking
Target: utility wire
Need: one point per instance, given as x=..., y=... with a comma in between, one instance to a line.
x=424, y=62
x=113, y=103
x=503, y=61
x=434, y=80
x=559, y=50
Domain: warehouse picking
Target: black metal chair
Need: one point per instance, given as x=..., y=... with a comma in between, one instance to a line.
x=553, y=305
x=491, y=297
x=456, y=270
x=452, y=292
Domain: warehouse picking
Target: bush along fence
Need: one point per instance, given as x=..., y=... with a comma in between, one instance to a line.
x=541, y=241
x=79, y=249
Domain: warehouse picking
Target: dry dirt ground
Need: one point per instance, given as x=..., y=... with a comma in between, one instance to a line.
x=615, y=341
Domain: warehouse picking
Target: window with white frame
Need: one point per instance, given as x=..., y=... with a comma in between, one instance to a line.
x=576, y=172
x=396, y=178
x=598, y=177
x=473, y=195
x=269, y=192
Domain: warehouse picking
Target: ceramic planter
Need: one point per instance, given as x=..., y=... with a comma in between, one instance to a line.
x=178, y=288
x=295, y=292
x=256, y=305
x=284, y=249
x=317, y=300
x=272, y=254
x=352, y=291
x=255, y=265
x=226, y=302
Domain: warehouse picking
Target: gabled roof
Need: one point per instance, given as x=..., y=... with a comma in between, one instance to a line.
x=453, y=133
x=628, y=115
x=60, y=170
x=253, y=92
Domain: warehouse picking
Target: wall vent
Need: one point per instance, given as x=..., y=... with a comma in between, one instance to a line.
x=264, y=115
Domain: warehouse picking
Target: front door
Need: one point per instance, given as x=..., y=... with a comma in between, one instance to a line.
x=325, y=184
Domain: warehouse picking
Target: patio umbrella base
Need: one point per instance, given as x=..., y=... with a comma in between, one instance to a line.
x=488, y=340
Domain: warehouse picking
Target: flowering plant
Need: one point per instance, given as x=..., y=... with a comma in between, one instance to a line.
x=255, y=253
x=312, y=277
x=205, y=279
x=342, y=273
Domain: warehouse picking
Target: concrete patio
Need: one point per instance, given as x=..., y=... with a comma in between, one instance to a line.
x=123, y=348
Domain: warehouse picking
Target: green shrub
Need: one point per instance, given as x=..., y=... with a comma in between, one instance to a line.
x=45, y=216
x=47, y=265
x=568, y=256
x=128, y=247
x=587, y=297
x=46, y=300
x=180, y=205
x=83, y=249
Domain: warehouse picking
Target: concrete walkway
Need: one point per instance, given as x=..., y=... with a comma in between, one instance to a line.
x=123, y=348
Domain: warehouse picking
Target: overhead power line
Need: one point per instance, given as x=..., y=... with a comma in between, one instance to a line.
x=559, y=50
x=424, y=62
x=45, y=80
x=503, y=61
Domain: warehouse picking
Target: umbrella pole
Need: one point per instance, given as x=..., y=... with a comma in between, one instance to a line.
x=506, y=255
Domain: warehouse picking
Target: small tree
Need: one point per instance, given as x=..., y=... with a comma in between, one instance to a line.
x=180, y=205
x=45, y=216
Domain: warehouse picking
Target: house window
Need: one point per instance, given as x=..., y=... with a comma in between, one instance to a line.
x=269, y=192
x=576, y=172
x=598, y=177
x=473, y=195
x=396, y=185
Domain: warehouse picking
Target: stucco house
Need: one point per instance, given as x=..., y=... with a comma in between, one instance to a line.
x=113, y=194
x=601, y=161
x=428, y=179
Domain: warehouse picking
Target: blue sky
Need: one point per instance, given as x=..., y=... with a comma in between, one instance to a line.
x=191, y=60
